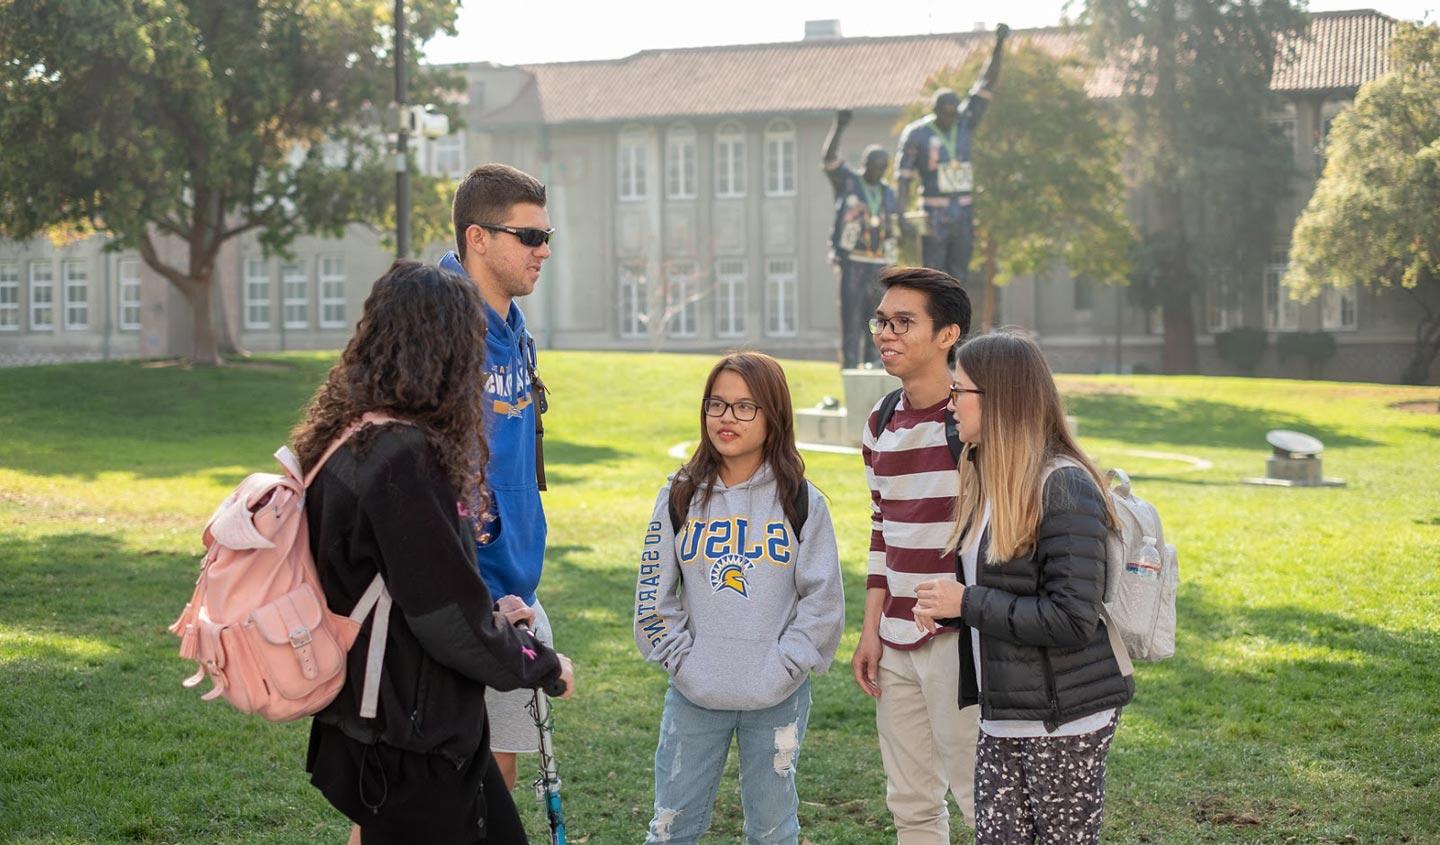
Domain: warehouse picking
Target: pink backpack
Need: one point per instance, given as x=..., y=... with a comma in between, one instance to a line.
x=258, y=624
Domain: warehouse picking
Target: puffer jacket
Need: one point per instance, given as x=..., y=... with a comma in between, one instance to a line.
x=1044, y=652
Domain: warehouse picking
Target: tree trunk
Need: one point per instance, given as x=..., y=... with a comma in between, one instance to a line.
x=1179, y=356
x=1427, y=349
x=987, y=299
x=205, y=348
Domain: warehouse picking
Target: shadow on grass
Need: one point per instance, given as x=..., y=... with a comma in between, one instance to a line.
x=86, y=420
x=1304, y=692
x=1192, y=422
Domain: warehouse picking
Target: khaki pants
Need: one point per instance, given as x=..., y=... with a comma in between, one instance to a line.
x=926, y=741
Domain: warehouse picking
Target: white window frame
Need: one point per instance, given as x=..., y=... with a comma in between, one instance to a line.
x=730, y=161
x=9, y=296
x=780, y=159
x=42, y=304
x=292, y=273
x=76, y=276
x=1222, y=313
x=634, y=152
x=331, y=283
x=1282, y=313
x=258, y=307
x=682, y=288
x=128, y=305
x=681, y=179
x=634, y=302
x=1340, y=308
x=444, y=147
x=782, y=298
x=731, y=295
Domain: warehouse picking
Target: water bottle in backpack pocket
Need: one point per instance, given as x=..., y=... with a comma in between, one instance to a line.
x=1142, y=575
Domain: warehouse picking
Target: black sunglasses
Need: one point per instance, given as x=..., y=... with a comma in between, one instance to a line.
x=528, y=236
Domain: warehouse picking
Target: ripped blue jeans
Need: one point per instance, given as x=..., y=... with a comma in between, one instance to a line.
x=690, y=759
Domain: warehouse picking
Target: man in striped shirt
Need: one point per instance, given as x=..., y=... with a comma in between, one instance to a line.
x=927, y=742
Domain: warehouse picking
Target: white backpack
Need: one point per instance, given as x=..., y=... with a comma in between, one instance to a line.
x=1139, y=602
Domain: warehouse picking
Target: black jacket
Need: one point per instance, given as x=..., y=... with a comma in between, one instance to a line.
x=383, y=503
x=1044, y=653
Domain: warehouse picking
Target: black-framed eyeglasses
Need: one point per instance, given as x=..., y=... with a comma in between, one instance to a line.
x=743, y=410
x=898, y=325
x=528, y=236
x=956, y=391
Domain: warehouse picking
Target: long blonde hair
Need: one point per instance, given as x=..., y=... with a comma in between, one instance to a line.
x=1022, y=430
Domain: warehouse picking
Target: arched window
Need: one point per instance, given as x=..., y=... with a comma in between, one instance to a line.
x=730, y=160
x=680, y=178
x=780, y=159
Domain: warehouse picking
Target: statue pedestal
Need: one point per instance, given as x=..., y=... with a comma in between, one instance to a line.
x=844, y=427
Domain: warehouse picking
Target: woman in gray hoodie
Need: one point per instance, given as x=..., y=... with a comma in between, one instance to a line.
x=739, y=599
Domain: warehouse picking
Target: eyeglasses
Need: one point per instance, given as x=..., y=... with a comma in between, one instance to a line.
x=956, y=391
x=898, y=325
x=743, y=411
x=528, y=236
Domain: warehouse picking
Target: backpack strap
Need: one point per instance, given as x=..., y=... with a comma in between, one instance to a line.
x=291, y=463
x=802, y=508
x=541, y=403
x=1117, y=645
x=952, y=437
x=887, y=409
x=376, y=598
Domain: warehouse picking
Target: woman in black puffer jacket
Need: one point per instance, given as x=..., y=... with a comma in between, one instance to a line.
x=1031, y=523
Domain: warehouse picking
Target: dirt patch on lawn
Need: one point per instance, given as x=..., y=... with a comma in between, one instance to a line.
x=1073, y=387
x=1418, y=406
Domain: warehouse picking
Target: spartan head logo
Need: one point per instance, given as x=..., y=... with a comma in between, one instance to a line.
x=728, y=573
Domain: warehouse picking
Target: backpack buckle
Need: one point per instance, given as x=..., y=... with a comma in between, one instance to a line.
x=299, y=638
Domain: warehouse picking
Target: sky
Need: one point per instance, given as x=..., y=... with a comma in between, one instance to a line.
x=570, y=30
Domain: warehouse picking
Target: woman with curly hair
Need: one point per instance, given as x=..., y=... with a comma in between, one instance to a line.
x=397, y=499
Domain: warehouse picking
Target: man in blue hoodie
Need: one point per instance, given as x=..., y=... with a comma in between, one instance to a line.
x=502, y=239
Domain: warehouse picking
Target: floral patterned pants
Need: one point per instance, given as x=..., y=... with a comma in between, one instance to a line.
x=1035, y=790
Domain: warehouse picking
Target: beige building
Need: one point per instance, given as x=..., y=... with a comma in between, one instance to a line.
x=692, y=215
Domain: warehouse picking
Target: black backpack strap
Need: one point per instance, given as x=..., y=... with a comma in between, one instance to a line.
x=674, y=518
x=952, y=437
x=886, y=410
x=541, y=403
x=802, y=507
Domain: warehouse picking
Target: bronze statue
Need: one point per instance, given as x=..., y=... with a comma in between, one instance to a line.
x=862, y=240
x=936, y=150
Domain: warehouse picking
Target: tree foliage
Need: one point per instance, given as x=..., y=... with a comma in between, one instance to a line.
x=1209, y=167
x=1047, y=172
x=1375, y=215
x=201, y=120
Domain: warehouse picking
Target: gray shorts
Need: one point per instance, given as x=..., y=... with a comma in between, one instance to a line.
x=512, y=727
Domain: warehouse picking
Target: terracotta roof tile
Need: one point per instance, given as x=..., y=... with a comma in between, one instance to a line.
x=1340, y=50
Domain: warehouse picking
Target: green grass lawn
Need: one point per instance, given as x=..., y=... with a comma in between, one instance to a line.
x=1303, y=706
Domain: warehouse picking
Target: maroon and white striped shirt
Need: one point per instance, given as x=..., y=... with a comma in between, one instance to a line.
x=913, y=485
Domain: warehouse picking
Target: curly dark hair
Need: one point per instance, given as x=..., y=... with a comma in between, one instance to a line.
x=417, y=355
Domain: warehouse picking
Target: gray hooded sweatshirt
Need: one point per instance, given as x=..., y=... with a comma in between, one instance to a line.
x=735, y=609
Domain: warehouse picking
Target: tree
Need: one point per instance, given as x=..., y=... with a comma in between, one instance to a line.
x=1047, y=174
x=1210, y=169
x=201, y=120
x=1373, y=217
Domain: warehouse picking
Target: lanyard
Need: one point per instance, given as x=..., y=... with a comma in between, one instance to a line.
x=948, y=141
x=874, y=199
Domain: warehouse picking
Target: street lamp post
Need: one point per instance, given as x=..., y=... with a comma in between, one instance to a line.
x=402, y=139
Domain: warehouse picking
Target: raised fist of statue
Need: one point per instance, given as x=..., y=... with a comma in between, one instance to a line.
x=1002, y=32
x=842, y=117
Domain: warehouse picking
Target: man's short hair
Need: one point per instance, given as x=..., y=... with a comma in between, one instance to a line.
x=487, y=194
x=945, y=96
x=946, y=301
x=874, y=150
